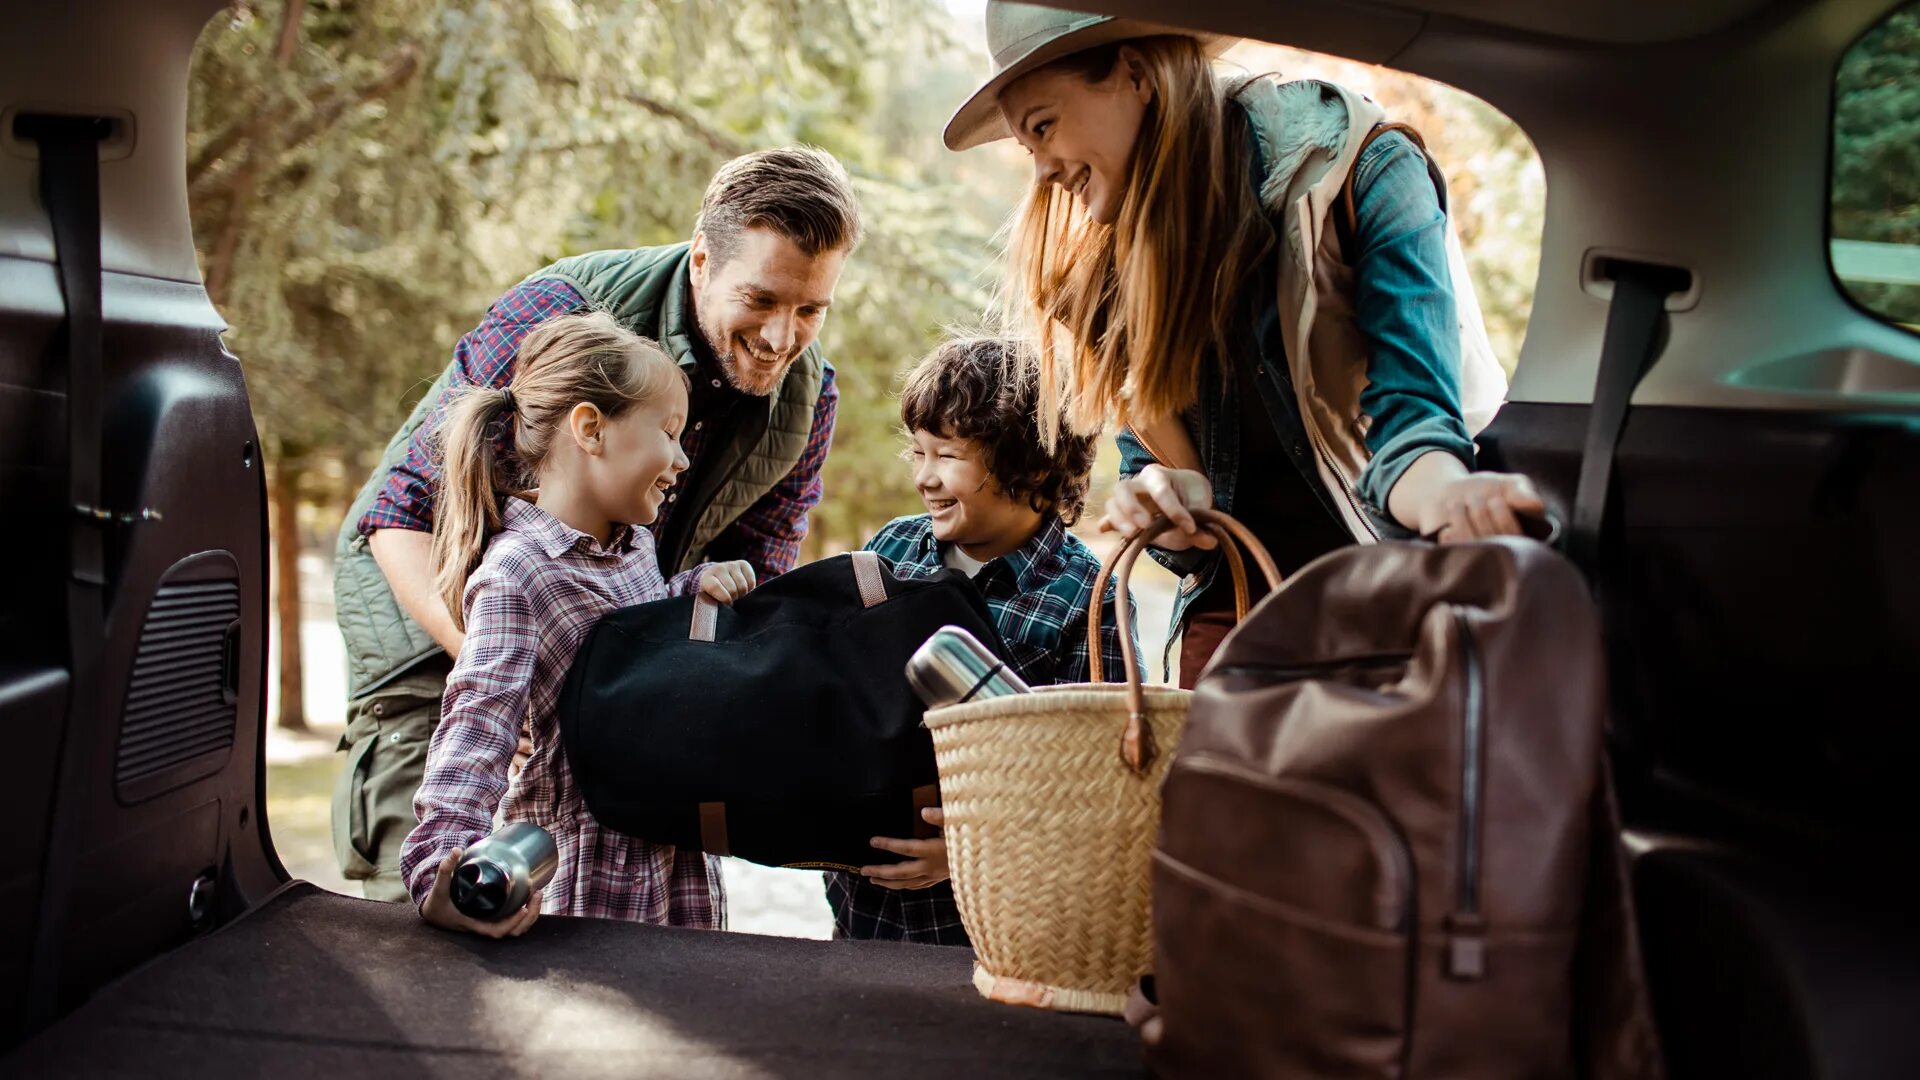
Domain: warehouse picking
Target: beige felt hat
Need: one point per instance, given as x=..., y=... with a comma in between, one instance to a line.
x=1022, y=37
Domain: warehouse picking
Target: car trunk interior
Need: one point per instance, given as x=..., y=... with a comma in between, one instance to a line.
x=1762, y=605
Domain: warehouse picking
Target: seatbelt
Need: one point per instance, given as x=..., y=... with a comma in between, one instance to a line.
x=1627, y=352
x=70, y=188
x=1632, y=343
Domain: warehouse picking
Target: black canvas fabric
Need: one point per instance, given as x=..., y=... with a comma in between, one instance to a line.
x=797, y=716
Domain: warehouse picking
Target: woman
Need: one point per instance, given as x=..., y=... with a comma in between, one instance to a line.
x=1188, y=267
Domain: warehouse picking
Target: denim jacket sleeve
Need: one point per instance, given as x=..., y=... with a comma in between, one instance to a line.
x=1133, y=458
x=1404, y=304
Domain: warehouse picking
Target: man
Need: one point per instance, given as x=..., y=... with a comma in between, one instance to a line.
x=739, y=308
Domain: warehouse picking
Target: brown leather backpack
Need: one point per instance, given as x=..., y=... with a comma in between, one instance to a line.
x=1387, y=844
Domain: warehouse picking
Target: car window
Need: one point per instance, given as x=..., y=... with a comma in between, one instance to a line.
x=1876, y=170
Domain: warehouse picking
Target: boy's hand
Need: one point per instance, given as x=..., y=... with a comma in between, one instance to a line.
x=727, y=581
x=926, y=866
x=439, y=909
x=1158, y=490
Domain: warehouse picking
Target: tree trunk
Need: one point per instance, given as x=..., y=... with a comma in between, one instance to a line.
x=219, y=268
x=286, y=582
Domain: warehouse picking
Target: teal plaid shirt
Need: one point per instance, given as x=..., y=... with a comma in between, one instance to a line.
x=1039, y=594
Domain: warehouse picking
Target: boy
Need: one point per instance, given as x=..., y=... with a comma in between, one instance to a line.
x=998, y=507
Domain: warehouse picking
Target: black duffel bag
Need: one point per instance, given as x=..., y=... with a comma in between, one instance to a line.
x=780, y=729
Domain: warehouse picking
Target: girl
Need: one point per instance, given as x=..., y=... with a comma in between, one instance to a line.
x=594, y=414
x=1189, y=266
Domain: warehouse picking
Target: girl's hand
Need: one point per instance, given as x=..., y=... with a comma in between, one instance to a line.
x=727, y=581
x=439, y=909
x=1158, y=490
x=927, y=866
x=522, y=753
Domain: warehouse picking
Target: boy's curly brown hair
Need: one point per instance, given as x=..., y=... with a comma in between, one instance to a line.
x=983, y=388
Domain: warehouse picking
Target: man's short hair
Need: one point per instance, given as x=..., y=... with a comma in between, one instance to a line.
x=984, y=389
x=802, y=193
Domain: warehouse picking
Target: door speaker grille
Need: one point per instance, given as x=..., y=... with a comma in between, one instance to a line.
x=180, y=705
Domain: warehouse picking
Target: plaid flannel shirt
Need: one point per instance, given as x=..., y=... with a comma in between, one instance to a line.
x=541, y=586
x=1038, y=595
x=767, y=535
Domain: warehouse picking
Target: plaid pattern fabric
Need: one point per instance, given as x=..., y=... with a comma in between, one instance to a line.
x=767, y=535
x=540, y=588
x=1038, y=595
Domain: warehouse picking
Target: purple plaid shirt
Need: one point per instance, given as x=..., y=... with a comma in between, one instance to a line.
x=540, y=588
x=767, y=535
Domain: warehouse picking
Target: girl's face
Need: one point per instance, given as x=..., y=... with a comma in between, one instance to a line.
x=1082, y=134
x=639, y=458
x=966, y=505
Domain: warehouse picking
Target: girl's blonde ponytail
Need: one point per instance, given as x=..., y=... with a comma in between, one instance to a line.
x=467, y=510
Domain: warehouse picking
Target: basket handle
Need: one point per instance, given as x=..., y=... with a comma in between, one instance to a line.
x=1136, y=742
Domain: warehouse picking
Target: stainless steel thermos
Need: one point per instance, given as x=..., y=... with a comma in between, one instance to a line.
x=497, y=874
x=952, y=666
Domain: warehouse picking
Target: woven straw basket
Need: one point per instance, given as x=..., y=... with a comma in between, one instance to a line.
x=1049, y=831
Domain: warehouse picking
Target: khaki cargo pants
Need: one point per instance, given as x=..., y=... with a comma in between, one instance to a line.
x=386, y=744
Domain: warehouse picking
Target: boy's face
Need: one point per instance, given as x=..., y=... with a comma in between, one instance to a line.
x=967, y=506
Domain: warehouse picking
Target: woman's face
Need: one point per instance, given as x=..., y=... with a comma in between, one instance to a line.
x=1082, y=134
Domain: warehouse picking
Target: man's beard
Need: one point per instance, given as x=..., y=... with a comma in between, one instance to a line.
x=721, y=345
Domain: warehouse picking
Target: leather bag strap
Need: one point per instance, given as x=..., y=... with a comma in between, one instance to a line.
x=868, y=577
x=1136, y=741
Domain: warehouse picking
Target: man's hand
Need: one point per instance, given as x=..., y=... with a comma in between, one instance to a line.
x=727, y=581
x=439, y=909
x=406, y=558
x=927, y=859
x=1155, y=491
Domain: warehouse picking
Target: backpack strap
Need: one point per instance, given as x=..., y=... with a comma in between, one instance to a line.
x=1347, y=222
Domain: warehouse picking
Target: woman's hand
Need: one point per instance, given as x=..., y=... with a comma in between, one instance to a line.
x=727, y=581
x=927, y=862
x=439, y=909
x=1157, y=491
x=1438, y=497
x=1480, y=505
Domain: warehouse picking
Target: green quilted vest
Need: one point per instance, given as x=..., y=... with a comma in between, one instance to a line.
x=646, y=290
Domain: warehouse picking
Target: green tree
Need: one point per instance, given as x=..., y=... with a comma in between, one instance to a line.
x=367, y=174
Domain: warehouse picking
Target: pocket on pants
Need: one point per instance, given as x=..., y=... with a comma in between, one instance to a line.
x=373, y=798
x=349, y=812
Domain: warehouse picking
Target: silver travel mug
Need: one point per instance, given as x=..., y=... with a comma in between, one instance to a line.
x=497, y=874
x=952, y=667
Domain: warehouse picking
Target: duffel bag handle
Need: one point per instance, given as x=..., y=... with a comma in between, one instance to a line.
x=868, y=577
x=1136, y=742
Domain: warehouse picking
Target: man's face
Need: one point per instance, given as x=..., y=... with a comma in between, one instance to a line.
x=761, y=306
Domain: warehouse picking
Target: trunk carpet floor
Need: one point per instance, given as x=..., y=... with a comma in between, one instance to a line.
x=316, y=984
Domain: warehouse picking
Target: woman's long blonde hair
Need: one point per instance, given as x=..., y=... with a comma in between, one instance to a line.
x=587, y=358
x=1123, y=315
